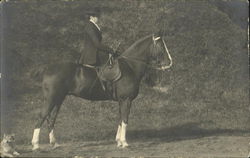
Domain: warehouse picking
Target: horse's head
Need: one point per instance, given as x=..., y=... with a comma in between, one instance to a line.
x=159, y=55
x=147, y=52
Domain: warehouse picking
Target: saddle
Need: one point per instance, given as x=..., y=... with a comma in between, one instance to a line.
x=110, y=72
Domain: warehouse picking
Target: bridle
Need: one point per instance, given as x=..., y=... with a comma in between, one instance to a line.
x=167, y=51
x=155, y=39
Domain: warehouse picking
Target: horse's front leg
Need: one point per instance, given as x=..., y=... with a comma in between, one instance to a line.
x=118, y=134
x=124, y=109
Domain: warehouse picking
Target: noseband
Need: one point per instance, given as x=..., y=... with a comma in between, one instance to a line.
x=155, y=39
x=166, y=49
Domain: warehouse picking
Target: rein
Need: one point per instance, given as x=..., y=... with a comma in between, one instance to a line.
x=143, y=62
x=138, y=60
x=154, y=67
x=109, y=61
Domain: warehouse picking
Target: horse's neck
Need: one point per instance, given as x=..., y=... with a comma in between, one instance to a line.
x=137, y=50
x=137, y=56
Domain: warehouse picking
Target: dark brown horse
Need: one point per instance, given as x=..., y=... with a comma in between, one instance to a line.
x=61, y=79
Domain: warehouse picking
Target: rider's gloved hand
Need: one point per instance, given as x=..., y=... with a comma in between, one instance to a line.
x=114, y=54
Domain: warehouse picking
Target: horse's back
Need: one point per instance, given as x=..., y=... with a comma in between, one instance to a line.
x=81, y=81
x=66, y=68
x=59, y=76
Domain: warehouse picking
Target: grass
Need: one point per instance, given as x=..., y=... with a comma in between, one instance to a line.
x=153, y=113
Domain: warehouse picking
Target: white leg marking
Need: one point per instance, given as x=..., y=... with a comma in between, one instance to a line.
x=35, y=139
x=52, y=138
x=16, y=153
x=6, y=155
x=123, y=135
x=118, y=136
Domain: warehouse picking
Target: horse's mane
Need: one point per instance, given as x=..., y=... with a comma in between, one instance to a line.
x=135, y=45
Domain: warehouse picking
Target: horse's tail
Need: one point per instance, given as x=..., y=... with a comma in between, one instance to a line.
x=37, y=73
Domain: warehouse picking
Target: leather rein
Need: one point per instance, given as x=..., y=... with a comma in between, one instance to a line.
x=154, y=67
x=143, y=62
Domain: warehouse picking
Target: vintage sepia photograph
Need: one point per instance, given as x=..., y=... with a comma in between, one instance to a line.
x=124, y=78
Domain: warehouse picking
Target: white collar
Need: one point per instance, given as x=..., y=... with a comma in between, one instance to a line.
x=95, y=24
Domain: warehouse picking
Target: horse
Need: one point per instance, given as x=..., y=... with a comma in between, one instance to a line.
x=62, y=79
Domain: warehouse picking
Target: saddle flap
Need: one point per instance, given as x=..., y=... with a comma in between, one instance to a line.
x=110, y=72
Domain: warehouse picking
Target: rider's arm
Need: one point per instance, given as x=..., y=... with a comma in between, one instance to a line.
x=97, y=42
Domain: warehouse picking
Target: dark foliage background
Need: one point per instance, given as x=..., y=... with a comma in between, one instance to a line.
x=208, y=82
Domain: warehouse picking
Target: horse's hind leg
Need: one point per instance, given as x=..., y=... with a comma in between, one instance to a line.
x=44, y=116
x=53, y=99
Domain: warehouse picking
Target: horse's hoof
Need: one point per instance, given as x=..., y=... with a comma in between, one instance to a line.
x=35, y=147
x=55, y=146
x=119, y=144
x=16, y=153
x=124, y=144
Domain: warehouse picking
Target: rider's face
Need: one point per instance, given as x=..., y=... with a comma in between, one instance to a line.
x=94, y=18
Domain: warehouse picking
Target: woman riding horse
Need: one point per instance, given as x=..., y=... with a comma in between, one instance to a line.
x=62, y=79
x=92, y=42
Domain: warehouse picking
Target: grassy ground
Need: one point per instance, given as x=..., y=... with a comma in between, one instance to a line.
x=209, y=146
x=158, y=126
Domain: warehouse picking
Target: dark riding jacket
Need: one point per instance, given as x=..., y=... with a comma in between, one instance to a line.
x=92, y=45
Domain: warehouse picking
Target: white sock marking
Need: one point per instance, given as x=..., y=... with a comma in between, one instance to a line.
x=35, y=139
x=123, y=132
x=118, y=134
x=52, y=138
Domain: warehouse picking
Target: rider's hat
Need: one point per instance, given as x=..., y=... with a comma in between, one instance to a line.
x=94, y=12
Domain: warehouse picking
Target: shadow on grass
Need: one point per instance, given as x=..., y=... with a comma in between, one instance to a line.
x=177, y=133
x=97, y=143
x=182, y=132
